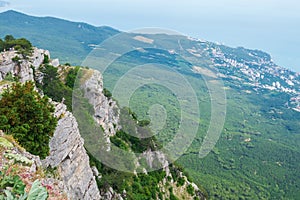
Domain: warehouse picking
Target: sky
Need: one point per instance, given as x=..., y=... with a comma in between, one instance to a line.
x=269, y=25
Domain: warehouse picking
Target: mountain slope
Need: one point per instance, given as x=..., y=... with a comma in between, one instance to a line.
x=69, y=41
x=258, y=152
x=257, y=155
x=71, y=153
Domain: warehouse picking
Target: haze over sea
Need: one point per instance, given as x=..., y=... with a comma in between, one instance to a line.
x=268, y=25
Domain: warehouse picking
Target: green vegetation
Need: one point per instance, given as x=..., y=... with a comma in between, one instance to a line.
x=17, y=158
x=9, y=77
x=53, y=87
x=37, y=191
x=10, y=185
x=71, y=77
x=46, y=59
x=264, y=167
x=107, y=93
x=28, y=117
x=190, y=190
x=139, y=186
x=22, y=45
x=70, y=42
x=13, y=188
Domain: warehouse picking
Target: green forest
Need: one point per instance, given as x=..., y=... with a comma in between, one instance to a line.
x=256, y=157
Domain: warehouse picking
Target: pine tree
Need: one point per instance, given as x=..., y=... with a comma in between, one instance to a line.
x=28, y=117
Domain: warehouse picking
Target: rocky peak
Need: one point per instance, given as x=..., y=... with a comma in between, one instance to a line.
x=14, y=64
x=106, y=109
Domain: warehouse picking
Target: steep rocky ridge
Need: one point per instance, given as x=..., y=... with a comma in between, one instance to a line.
x=106, y=109
x=67, y=151
x=11, y=62
x=107, y=115
x=68, y=154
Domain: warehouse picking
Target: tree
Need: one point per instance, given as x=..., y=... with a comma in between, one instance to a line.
x=54, y=88
x=1, y=45
x=71, y=77
x=22, y=45
x=28, y=117
x=9, y=38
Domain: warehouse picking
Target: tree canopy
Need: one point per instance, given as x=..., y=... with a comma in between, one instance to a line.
x=22, y=45
x=28, y=117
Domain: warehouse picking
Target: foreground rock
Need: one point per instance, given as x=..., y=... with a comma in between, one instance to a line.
x=68, y=154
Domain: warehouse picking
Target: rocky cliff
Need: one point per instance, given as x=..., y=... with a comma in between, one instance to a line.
x=67, y=152
x=14, y=64
x=107, y=115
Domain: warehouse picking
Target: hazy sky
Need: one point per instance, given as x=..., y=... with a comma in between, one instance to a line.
x=269, y=25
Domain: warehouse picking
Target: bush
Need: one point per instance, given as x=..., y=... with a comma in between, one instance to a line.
x=71, y=77
x=54, y=88
x=22, y=45
x=16, y=59
x=9, y=77
x=180, y=181
x=107, y=93
x=190, y=189
x=46, y=59
x=28, y=117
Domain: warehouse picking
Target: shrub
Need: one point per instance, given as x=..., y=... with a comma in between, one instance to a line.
x=9, y=77
x=28, y=117
x=22, y=45
x=190, y=189
x=71, y=77
x=107, y=93
x=16, y=59
x=46, y=59
x=180, y=181
x=54, y=88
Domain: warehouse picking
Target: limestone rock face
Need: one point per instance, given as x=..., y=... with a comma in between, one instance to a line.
x=110, y=194
x=106, y=110
x=37, y=57
x=55, y=63
x=13, y=63
x=68, y=154
x=151, y=156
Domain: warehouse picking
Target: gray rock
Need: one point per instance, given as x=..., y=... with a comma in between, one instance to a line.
x=37, y=57
x=54, y=63
x=95, y=171
x=22, y=68
x=68, y=154
x=105, y=108
x=111, y=195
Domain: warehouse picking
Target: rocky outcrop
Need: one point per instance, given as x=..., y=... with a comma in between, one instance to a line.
x=68, y=154
x=106, y=110
x=107, y=115
x=15, y=160
x=12, y=63
x=110, y=194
